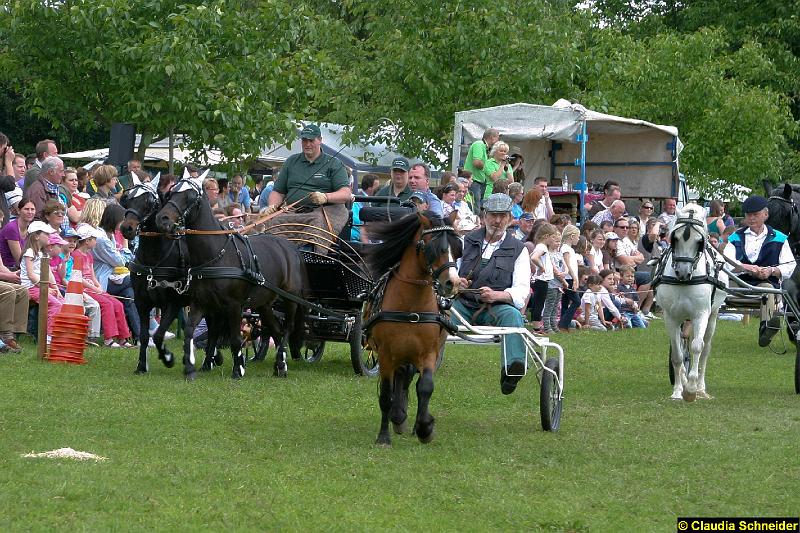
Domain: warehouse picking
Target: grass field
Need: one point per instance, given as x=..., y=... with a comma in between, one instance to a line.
x=298, y=454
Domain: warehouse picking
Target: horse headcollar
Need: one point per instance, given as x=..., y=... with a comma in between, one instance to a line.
x=689, y=225
x=151, y=205
x=429, y=249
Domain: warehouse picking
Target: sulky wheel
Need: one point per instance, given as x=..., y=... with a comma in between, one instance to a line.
x=549, y=400
x=365, y=362
x=312, y=350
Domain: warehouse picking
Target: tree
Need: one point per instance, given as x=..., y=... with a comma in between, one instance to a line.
x=226, y=72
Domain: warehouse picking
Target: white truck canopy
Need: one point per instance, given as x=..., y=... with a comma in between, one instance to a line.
x=641, y=156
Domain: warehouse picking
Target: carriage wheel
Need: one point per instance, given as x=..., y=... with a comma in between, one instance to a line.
x=365, y=362
x=312, y=350
x=549, y=401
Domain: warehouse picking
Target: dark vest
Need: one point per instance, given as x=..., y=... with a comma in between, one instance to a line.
x=498, y=274
x=769, y=255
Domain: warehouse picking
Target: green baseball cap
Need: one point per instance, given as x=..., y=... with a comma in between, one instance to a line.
x=311, y=131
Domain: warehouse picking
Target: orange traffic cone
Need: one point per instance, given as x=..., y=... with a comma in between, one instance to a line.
x=70, y=324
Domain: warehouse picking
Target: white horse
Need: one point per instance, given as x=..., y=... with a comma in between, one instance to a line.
x=690, y=286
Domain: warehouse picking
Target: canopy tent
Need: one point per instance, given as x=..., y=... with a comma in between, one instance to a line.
x=586, y=145
x=361, y=158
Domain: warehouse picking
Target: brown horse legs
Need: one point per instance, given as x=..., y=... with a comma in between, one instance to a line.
x=424, y=424
x=385, y=400
x=402, y=381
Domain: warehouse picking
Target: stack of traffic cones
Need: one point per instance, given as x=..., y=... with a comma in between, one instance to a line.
x=70, y=324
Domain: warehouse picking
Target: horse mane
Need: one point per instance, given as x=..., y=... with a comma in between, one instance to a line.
x=395, y=237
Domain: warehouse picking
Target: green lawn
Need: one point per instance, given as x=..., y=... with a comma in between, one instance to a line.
x=296, y=454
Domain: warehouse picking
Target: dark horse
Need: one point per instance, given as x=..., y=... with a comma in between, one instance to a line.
x=784, y=215
x=229, y=272
x=402, y=318
x=158, y=273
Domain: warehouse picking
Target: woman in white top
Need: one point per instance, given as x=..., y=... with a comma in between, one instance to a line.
x=597, y=239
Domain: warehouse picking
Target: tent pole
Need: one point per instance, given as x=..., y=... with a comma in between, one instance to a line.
x=583, y=139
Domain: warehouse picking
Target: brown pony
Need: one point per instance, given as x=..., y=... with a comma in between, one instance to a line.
x=402, y=318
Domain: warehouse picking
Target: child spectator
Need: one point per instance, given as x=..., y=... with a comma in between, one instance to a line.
x=541, y=270
x=115, y=327
x=555, y=286
x=592, y=304
x=64, y=272
x=610, y=251
x=36, y=245
x=611, y=302
x=595, y=257
x=570, y=299
x=626, y=289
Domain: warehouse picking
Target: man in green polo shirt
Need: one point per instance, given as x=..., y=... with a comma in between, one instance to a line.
x=319, y=184
x=398, y=185
x=475, y=162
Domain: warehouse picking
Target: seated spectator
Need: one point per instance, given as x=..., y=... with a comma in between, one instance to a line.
x=465, y=177
x=105, y=183
x=561, y=221
x=714, y=240
x=587, y=228
x=447, y=177
x=239, y=193
x=447, y=195
x=611, y=305
x=669, y=215
x=645, y=212
x=219, y=213
x=110, y=260
x=13, y=235
x=211, y=189
x=53, y=214
x=501, y=186
x=83, y=179
x=419, y=200
x=263, y=199
x=115, y=326
x=606, y=226
x=36, y=245
x=582, y=249
x=537, y=200
x=715, y=221
x=234, y=215
x=611, y=193
x=224, y=199
x=611, y=214
x=398, y=182
x=516, y=193
x=467, y=220
x=592, y=303
x=72, y=197
x=597, y=241
x=525, y=226
x=610, y=252
x=14, y=303
x=627, y=289
x=370, y=184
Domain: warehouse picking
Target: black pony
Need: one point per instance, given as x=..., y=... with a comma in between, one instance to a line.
x=158, y=273
x=783, y=203
x=229, y=272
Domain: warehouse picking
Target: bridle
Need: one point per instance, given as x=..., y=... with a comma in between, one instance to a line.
x=689, y=225
x=430, y=248
x=183, y=215
x=151, y=207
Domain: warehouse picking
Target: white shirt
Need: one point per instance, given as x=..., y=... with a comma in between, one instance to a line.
x=546, y=260
x=24, y=277
x=667, y=219
x=626, y=247
x=594, y=301
x=521, y=282
x=545, y=206
x=571, y=260
x=752, y=247
x=597, y=254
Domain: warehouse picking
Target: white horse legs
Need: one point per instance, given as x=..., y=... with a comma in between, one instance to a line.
x=692, y=385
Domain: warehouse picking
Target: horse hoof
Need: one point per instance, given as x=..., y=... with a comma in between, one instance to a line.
x=427, y=438
x=281, y=373
x=703, y=395
x=384, y=441
x=400, y=428
x=168, y=359
x=217, y=360
x=191, y=376
x=689, y=396
x=140, y=372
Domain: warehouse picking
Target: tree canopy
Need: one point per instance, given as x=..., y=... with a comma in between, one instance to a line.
x=237, y=74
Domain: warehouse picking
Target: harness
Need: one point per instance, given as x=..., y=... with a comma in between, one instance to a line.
x=704, y=250
x=794, y=222
x=374, y=302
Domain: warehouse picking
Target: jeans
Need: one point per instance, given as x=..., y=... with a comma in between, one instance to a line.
x=570, y=301
x=512, y=348
x=635, y=319
x=550, y=309
x=477, y=190
x=125, y=290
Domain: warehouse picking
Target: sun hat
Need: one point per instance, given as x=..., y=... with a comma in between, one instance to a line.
x=86, y=231
x=68, y=233
x=310, y=131
x=38, y=225
x=612, y=236
x=55, y=238
x=498, y=203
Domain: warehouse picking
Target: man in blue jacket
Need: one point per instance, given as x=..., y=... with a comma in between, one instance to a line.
x=766, y=259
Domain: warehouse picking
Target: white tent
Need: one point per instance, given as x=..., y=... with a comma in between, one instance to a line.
x=640, y=155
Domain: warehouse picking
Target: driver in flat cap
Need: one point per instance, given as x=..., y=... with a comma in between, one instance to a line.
x=495, y=276
x=766, y=259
